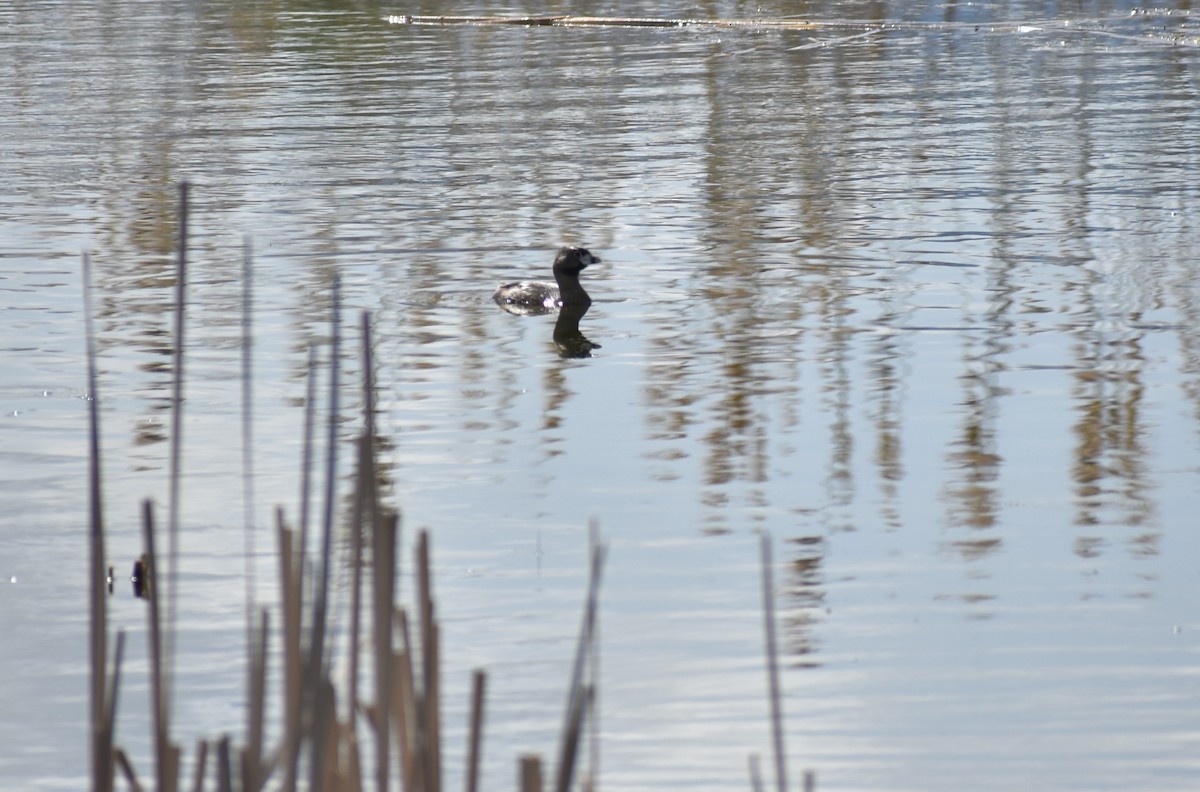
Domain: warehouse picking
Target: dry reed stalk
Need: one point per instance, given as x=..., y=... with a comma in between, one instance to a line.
x=252, y=764
x=383, y=556
x=593, y=714
x=410, y=707
x=323, y=760
x=291, y=601
x=248, y=435
x=102, y=707
x=176, y=439
x=323, y=712
x=201, y=762
x=323, y=715
x=580, y=694
x=166, y=755
x=429, y=732
x=113, y=693
x=530, y=773
x=224, y=766
x=475, y=739
x=362, y=516
x=348, y=774
x=127, y=770
x=772, y=650
x=756, y=784
x=356, y=542
x=404, y=705
x=310, y=398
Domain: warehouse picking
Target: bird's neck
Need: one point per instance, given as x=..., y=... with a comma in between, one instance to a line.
x=571, y=290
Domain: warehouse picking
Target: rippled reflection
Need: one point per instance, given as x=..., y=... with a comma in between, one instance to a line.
x=919, y=300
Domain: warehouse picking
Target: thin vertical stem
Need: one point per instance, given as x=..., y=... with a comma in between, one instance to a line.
x=315, y=684
x=404, y=706
x=255, y=648
x=114, y=685
x=224, y=765
x=201, y=764
x=158, y=682
x=579, y=692
x=593, y=713
x=310, y=397
x=430, y=729
x=176, y=441
x=101, y=742
x=755, y=774
x=248, y=432
x=291, y=604
x=530, y=773
x=768, y=592
x=383, y=553
x=335, y=353
x=475, y=740
x=252, y=764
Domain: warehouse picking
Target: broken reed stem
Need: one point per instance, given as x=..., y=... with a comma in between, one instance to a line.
x=531, y=773
x=383, y=556
x=101, y=733
x=429, y=745
x=756, y=784
x=176, y=440
x=224, y=766
x=475, y=740
x=291, y=601
x=201, y=763
x=768, y=593
x=580, y=693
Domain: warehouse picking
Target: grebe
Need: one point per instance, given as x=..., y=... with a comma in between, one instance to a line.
x=534, y=297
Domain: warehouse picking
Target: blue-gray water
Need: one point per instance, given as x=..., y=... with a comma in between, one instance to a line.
x=919, y=301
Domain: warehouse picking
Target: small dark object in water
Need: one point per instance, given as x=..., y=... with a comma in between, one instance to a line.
x=110, y=579
x=141, y=577
x=529, y=298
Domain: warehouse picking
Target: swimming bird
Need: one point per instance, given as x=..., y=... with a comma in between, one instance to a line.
x=536, y=297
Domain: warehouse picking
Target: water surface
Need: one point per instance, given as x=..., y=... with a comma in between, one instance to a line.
x=919, y=301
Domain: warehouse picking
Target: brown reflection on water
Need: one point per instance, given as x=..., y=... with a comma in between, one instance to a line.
x=136, y=303
x=973, y=497
x=1110, y=390
x=806, y=597
x=811, y=200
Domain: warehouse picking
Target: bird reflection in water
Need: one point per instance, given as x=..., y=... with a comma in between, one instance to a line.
x=570, y=341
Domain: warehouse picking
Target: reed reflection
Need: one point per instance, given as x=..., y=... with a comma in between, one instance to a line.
x=807, y=596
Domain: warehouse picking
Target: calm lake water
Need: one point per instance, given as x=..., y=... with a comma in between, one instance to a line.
x=920, y=300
